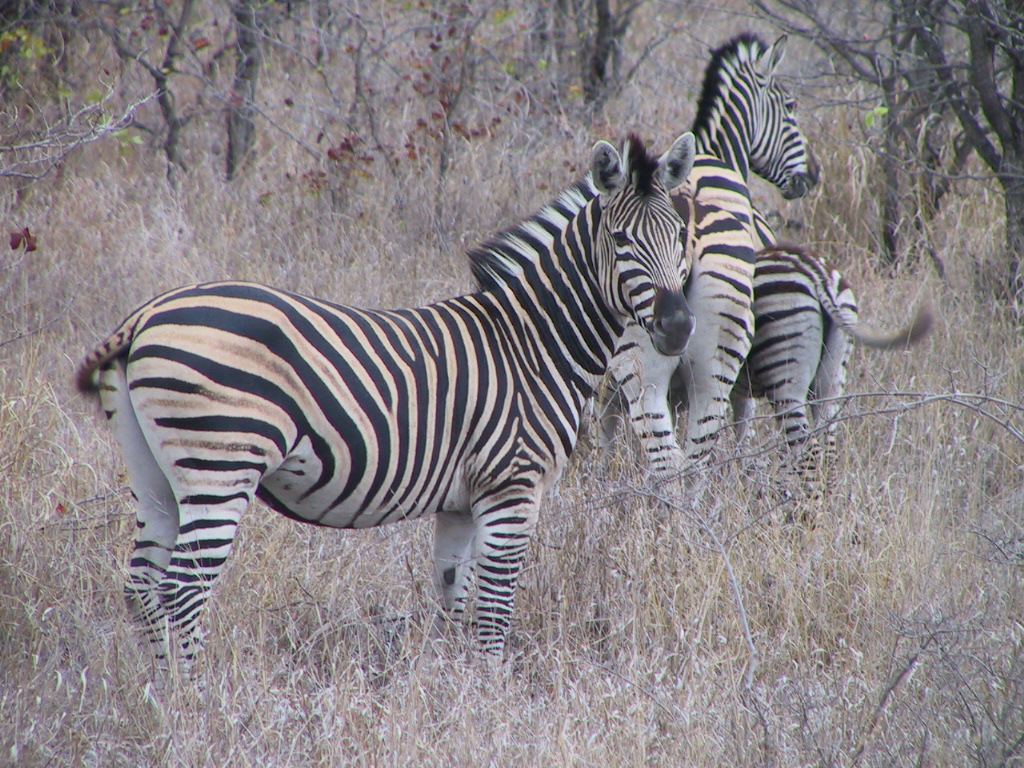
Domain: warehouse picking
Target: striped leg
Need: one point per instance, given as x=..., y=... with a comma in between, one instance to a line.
x=788, y=398
x=156, y=515
x=454, y=533
x=208, y=526
x=157, y=527
x=506, y=522
x=643, y=377
x=742, y=407
x=829, y=386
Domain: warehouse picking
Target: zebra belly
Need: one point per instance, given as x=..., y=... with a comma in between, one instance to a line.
x=295, y=489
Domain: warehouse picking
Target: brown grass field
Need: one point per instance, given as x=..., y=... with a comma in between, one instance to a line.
x=889, y=635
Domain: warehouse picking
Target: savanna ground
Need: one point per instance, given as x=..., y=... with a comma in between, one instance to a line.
x=890, y=634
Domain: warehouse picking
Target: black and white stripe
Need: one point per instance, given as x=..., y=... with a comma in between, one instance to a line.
x=349, y=418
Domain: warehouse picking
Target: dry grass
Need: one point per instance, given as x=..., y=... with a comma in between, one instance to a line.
x=889, y=635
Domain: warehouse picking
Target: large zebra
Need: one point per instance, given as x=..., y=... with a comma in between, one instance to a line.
x=745, y=121
x=350, y=418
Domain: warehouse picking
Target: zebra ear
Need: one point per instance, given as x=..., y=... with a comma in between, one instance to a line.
x=773, y=56
x=675, y=165
x=606, y=167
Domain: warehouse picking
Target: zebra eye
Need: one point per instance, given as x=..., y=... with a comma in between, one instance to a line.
x=621, y=239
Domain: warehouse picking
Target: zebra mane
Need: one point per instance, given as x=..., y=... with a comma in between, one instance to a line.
x=742, y=48
x=501, y=259
x=642, y=165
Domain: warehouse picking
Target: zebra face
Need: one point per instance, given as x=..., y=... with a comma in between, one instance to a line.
x=779, y=151
x=638, y=243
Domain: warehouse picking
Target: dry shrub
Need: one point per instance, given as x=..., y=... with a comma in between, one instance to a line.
x=889, y=634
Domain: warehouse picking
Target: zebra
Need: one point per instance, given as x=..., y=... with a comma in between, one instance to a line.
x=351, y=418
x=745, y=121
x=807, y=323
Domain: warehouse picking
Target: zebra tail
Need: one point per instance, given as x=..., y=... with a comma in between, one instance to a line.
x=917, y=329
x=835, y=295
x=116, y=344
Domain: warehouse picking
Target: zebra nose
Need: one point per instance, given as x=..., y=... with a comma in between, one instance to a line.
x=673, y=323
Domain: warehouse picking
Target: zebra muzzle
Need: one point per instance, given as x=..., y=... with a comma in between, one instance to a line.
x=673, y=322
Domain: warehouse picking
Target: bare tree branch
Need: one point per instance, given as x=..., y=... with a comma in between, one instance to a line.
x=34, y=158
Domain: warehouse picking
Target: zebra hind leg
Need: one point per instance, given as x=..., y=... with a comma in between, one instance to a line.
x=804, y=453
x=208, y=526
x=157, y=526
x=156, y=516
x=810, y=471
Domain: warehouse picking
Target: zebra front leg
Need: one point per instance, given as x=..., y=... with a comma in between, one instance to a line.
x=651, y=416
x=707, y=394
x=454, y=533
x=504, y=524
x=208, y=526
x=643, y=376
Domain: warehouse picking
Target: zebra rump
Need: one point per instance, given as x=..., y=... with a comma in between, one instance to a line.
x=806, y=325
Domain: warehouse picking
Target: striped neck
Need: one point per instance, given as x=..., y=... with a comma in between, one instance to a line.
x=546, y=266
x=722, y=126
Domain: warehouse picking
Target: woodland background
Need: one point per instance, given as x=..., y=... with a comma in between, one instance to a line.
x=354, y=150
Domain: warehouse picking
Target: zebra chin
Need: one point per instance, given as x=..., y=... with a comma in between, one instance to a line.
x=798, y=185
x=673, y=323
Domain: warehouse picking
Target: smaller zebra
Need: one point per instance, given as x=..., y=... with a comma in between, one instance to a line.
x=806, y=325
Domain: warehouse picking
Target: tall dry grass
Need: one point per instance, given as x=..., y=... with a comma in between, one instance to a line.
x=889, y=635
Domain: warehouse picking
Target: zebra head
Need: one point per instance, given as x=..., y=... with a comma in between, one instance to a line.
x=748, y=118
x=638, y=243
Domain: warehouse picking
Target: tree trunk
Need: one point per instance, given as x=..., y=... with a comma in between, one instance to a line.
x=890, y=178
x=165, y=97
x=595, y=68
x=241, y=109
x=1013, y=197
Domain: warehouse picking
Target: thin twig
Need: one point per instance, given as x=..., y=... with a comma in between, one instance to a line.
x=731, y=574
x=650, y=694
x=883, y=700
